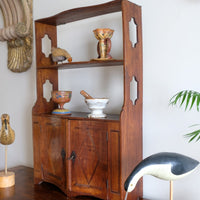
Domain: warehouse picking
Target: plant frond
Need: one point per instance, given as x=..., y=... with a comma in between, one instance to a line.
x=194, y=125
x=198, y=139
x=186, y=98
x=198, y=102
x=175, y=98
x=193, y=100
x=183, y=99
x=193, y=135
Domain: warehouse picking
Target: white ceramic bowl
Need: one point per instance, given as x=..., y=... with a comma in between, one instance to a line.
x=96, y=106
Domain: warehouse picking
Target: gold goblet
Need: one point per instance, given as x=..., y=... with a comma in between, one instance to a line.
x=104, y=45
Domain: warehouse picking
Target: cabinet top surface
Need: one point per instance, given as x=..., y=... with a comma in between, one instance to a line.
x=82, y=13
x=84, y=116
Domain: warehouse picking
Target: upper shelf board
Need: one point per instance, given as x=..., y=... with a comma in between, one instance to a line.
x=82, y=13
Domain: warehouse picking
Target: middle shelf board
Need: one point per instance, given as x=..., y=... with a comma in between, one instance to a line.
x=84, y=64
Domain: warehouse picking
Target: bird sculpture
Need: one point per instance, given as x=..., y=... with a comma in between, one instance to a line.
x=165, y=165
x=7, y=137
x=59, y=55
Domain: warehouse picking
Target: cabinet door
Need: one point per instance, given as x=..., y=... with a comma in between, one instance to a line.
x=52, y=145
x=89, y=169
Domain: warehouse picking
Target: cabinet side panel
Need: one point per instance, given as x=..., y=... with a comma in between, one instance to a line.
x=42, y=106
x=114, y=160
x=131, y=115
x=36, y=149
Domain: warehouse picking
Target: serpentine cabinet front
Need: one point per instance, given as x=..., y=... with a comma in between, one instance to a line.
x=81, y=157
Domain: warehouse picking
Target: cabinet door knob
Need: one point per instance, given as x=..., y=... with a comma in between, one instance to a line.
x=72, y=156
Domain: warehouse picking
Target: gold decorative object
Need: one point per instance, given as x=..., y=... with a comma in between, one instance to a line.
x=59, y=55
x=104, y=45
x=7, y=137
x=18, y=32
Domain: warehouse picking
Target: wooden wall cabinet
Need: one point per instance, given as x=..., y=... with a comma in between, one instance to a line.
x=80, y=155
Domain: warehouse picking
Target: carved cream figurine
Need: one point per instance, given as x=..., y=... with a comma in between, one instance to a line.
x=18, y=33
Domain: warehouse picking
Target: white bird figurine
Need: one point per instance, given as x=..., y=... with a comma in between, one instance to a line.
x=165, y=165
x=59, y=55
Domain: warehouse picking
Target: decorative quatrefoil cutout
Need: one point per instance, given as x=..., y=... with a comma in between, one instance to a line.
x=133, y=32
x=47, y=89
x=46, y=45
x=133, y=90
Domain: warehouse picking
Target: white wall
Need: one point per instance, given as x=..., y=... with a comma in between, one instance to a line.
x=171, y=48
x=17, y=98
x=171, y=63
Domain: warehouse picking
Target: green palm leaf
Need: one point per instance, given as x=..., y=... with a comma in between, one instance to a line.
x=183, y=99
x=193, y=135
x=193, y=100
x=198, y=101
x=186, y=98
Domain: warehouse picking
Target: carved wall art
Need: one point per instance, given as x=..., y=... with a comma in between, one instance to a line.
x=18, y=32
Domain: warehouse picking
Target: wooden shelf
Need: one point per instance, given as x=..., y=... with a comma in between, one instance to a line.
x=84, y=64
x=106, y=150
x=82, y=13
x=83, y=116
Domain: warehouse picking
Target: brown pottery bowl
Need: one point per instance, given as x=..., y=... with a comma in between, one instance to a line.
x=61, y=97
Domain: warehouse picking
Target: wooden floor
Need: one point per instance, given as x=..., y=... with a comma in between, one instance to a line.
x=24, y=188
